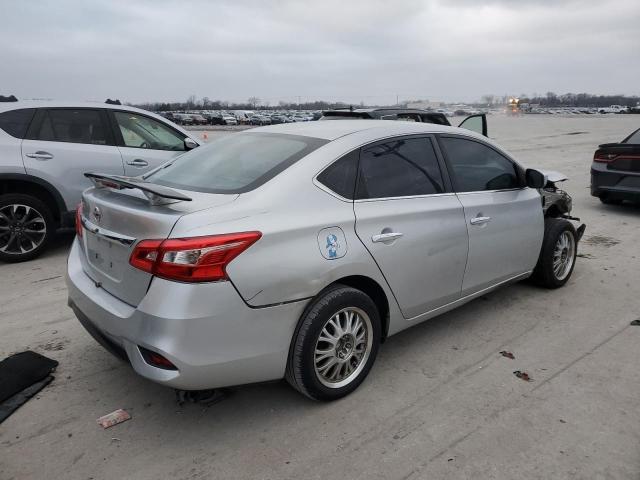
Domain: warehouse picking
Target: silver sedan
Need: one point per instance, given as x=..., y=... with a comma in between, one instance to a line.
x=294, y=250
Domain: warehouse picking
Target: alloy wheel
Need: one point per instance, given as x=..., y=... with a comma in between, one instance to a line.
x=564, y=255
x=343, y=347
x=22, y=229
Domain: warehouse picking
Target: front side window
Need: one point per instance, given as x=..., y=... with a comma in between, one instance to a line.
x=16, y=122
x=477, y=167
x=73, y=126
x=139, y=131
x=236, y=163
x=399, y=168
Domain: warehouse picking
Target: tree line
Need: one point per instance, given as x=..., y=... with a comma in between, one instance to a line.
x=252, y=103
x=550, y=99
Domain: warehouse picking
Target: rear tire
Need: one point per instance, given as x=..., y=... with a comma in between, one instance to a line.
x=558, y=254
x=26, y=227
x=335, y=345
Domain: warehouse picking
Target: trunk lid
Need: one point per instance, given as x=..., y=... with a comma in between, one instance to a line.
x=116, y=220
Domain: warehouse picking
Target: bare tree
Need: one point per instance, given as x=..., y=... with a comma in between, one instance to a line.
x=254, y=102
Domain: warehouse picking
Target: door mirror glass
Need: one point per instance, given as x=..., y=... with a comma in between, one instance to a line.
x=190, y=143
x=535, y=178
x=475, y=123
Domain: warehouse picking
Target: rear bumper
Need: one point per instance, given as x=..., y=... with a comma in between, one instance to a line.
x=614, y=184
x=205, y=330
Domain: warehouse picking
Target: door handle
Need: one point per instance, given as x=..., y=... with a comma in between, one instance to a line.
x=40, y=155
x=138, y=162
x=386, y=237
x=480, y=220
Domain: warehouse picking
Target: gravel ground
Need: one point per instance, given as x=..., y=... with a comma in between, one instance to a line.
x=439, y=403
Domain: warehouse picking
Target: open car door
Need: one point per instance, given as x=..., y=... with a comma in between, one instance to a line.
x=476, y=123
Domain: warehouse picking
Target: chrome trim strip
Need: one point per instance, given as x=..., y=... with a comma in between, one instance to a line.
x=107, y=234
x=494, y=191
x=408, y=197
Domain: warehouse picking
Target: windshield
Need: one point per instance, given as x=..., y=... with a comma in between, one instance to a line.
x=236, y=163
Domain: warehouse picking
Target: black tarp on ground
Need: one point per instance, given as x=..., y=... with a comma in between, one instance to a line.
x=22, y=376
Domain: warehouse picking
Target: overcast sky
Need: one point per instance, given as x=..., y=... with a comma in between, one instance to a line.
x=350, y=50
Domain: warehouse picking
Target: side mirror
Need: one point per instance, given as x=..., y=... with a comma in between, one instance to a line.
x=189, y=143
x=535, y=178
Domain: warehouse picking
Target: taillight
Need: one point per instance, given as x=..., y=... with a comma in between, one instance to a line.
x=196, y=259
x=604, y=157
x=79, y=220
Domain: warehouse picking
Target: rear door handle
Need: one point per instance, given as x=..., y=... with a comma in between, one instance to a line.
x=386, y=237
x=138, y=162
x=40, y=155
x=480, y=220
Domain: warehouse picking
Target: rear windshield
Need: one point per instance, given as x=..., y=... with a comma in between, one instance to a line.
x=236, y=163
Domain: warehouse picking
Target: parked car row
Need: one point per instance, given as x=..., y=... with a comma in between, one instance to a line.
x=578, y=110
x=241, y=117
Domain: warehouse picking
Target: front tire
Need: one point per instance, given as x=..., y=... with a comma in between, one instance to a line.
x=558, y=255
x=26, y=227
x=335, y=344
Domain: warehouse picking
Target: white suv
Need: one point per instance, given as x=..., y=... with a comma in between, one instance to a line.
x=45, y=149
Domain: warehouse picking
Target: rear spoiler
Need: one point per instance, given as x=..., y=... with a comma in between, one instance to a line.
x=157, y=194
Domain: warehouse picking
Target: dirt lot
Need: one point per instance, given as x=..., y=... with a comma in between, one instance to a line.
x=440, y=402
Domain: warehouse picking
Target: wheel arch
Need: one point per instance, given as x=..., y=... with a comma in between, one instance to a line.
x=41, y=189
x=371, y=288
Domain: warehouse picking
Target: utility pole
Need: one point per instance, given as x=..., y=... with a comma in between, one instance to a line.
x=397, y=100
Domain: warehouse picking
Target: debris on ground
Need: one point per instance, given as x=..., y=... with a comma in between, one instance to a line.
x=202, y=397
x=523, y=375
x=506, y=354
x=601, y=240
x=114, y=418
x=22, y=376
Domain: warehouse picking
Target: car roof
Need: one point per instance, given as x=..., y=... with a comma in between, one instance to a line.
x=379, y=109
x=334, y=129
x=7, y=106
x=4, y=106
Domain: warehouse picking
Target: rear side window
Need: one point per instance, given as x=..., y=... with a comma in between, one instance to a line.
x=73, y=126
x=340, y=176
x=16, y=122
x=399, y=168
x=634, y=138
x=477, y=167
x=236, y=163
